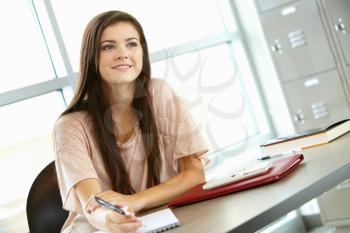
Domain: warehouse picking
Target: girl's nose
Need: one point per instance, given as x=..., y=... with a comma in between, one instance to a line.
x=121, y=54
x=121, y=57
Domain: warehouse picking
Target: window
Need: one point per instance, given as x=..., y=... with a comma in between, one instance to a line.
x=25, y=144
x=34, y=117
x=209, y=82
x=170, y=25
x=22, y=49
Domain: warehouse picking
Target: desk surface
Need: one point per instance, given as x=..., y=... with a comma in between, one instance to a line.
x=248, y=211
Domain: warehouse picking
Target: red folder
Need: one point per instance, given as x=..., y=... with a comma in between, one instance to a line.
x=279, y=169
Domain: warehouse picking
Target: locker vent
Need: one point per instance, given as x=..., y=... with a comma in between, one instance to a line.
x=311, y=82
x=297, y=38
x=320, y=109
x=288, y=10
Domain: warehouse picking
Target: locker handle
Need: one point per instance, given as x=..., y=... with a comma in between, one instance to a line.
x=299, y=117
x=276, y=46
x=340, y=26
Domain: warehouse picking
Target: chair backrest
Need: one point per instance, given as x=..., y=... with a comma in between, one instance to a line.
x=44, y=204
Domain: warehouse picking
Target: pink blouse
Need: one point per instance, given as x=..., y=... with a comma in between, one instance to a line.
x=78, y=157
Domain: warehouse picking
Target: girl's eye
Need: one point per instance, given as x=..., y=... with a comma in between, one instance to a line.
x=107, y=47
x=132, y=44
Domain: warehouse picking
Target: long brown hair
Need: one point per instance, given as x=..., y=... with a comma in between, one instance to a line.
x=89, y=97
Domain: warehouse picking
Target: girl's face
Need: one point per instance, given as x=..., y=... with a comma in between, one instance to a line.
x=120, y=54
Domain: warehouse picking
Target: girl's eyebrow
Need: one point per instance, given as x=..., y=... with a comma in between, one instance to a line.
x=113, y=41
x=131, y=38
x=109, y=41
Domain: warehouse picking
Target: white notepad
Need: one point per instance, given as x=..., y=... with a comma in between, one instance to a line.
x=157, y=222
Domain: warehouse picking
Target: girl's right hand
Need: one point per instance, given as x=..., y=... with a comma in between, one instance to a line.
x=117, y=223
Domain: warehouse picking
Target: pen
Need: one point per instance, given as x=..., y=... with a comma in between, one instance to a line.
x=111, y=206
x=269, y=157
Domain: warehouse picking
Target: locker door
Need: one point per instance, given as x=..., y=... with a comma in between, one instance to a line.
x=340, y=16
x=335, y=205
x=297, y=40
x=316, y=101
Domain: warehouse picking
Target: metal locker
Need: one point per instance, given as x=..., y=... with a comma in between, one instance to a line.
x=297, y=40
x=335, y=205
x=339, y=11
x=316, y=101
x=265, y=5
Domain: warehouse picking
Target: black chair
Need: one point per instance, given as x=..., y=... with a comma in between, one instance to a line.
x=44, y=204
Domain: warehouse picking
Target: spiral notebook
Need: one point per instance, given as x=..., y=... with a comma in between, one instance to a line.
x=157, y=222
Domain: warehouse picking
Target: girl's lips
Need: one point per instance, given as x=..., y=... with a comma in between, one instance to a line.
x=122, y=67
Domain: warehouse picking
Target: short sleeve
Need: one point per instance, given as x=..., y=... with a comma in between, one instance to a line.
x=184, y=133
x=72, y=159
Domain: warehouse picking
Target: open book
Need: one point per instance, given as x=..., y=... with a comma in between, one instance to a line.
x=157, y=222
x=305, y=139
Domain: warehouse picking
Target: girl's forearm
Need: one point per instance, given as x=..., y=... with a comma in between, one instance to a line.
x=168, y=190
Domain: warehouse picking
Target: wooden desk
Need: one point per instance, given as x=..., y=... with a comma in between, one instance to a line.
x=248, y=211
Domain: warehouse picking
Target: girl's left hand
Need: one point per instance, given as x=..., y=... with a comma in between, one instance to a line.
x=118, y=199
